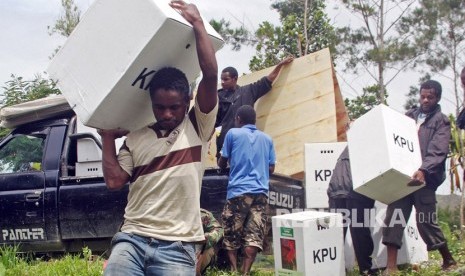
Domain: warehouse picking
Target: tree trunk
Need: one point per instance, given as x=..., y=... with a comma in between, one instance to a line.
x=462, y=219
x=381, y=59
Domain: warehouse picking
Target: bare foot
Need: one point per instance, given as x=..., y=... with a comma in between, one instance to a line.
x=390, y=271
x=449, y=265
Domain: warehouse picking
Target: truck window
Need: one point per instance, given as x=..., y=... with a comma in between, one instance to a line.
x=22, y=153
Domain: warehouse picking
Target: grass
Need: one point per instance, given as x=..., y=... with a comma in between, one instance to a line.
x=14, y=264
x=80, y=264
x=263, y=266
x=85, y=264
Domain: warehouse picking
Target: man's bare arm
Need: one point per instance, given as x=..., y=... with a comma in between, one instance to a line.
x=115, y=176
x=207, y=97
x=274, y=74
x=222, y=162
x=271, y=169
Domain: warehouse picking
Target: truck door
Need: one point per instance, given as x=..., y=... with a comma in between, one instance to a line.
x=22, y=184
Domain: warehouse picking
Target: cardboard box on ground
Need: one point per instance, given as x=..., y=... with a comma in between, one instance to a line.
x=106, y=65
x=305, y=105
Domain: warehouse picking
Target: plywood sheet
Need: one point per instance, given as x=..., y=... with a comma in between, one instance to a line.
x=301, y=108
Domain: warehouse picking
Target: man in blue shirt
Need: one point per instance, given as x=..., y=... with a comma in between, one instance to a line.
x=252, y=158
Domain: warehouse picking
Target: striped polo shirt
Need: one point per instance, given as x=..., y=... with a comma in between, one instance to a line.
x=166, y=175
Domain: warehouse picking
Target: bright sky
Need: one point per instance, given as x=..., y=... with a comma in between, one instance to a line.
x=26, y=44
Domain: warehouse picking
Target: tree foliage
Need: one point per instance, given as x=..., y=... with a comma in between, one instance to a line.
x=439, y=26
x=67, y=21
x=376, y=46
x=414, y=93
x=20, y=153
x=456, y=161
x=362, y=104
x=236, y=37
x=18, y=90
x=304, y=29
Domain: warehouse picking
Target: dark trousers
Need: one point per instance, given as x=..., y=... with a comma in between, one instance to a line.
x=353, y=211
x=398, y=213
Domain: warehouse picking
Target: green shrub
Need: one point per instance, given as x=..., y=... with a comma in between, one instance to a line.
x=9, y=257
x=80, y=264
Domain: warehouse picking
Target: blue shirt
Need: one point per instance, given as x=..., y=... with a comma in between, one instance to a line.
x=250, y=153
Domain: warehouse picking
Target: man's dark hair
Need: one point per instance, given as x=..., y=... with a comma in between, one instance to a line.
x=170, y=78
x=247, y=114
x=432, y=84
x=231, y=70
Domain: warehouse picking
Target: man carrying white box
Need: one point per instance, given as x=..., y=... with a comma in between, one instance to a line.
x=163, y=163
x=434, y=135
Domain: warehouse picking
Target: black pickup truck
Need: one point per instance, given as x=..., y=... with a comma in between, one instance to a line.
x=46, y=206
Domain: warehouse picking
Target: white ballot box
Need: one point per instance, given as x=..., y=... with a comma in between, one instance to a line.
x=308, y=243
x=413, y=250
x=320, y=160
x=384, y=153
x=106, y=65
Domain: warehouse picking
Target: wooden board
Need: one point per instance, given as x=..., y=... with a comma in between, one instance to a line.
x=304, y=106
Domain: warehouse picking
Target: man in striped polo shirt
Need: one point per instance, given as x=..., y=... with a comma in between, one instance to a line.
x=163, y=163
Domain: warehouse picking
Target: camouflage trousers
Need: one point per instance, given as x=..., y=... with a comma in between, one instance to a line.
x=244, y=221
